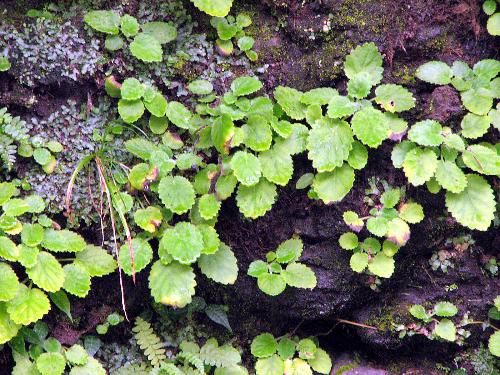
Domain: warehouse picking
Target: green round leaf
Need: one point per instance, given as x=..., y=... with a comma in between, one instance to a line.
x=176, y=193
x=411, y=213
x=105, y=21
x=365, y=58
x=474, y=126
x=215, y=8
x=77, y=280
x=201, y=87
x=370, y=127
x=113, y=43
x=398, y=232
x=494, y=340
x=477, y=101
x=179, y=115
x=184, y=243
x=149, y=218
x=264, y=346
x=360, y=85
x=28, y=306
x=42, y=156
x=130, y=111
x=257, y=133
x=97, y=261
x=271, y=284
x=77, y=355
x=493, y=26
x=348, y=241
x=209, y=206
x=482, y=159
x=450, y=177
x=255, y=201
x=8, y=329
x=146, y=48
x=299, y=275
x=8, y=249
x=129, y=25
x=143, y=254
x=394, y=98
x=474, y=207
x=221, y=267
x=132, y=89
x=426, y=133
x=273, y=365
x=435, y=72
x=382, y=265
x=163, y=32
x=341, y=106
x=377, y=226
x=289, y=250
x=276, y=166
x=419, y=165
x=246, y=168
x=242, y=86
x=334, y=186
x=9, y=283
x=51, y=363
x=321, y=363
x=289, y=100
x=446, y=330
x=418, y=311
x=172, y=284
x=445, y=309
x=359, y=262
x=358, y=156
x=47, y=273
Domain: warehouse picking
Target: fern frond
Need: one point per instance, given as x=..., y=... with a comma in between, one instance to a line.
x=7, y=151
x=16, y=129
x=194, y=360
x=220, y=356
x=167, y=369
x=135, y=369
x=149, y=342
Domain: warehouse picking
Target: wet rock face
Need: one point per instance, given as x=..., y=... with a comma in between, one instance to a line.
x=444, y=104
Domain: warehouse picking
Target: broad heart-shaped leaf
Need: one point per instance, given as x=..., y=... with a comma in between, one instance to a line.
x=320, y=96
x=358, y=156
x=370, y=126
x=436, y=72
x=377, y=226
x=246, y=168
x=474, y=207
x=146, y=48
x=132, y=89
x=8, y=249
x=494, y=340
x=149, y=218
x=381, y=265
x=271, y=284
x=209, y=206
x=359, y=262
x=475, y=126
x=493, y=26
x=92, y=367
x=51, y=363
x=289, y=251
x=258, y=133
x=411, y=212
x=28, y=306
x=129, y=25
x=142, y=256
x=176, y=193
x=130, y=110
x=221, y=267
x=222, y=133
x=482, y=159
x=9, y=284
x=47, y=273
x=7, y=190
x=105, y=21
x=446, y=330
x=334, y=186
x=398, y=232
x=276, y=165
x=255, y=201
x=418, y=311
x=296, y=142
x=445, y=309
x=179, y=115
x=360, y=85
x=215, y=8
x=341, y=106
x=348, y=241
x=329, y=144
x=273, y=365
x=184, y=243
x=264, y=345
x=299, y=275
x=450, y=177
x=242, y=86
x=321, y=363
x=419, y=165
x=173, y=284
x=157, y=106
x=289, y=99
x=77, y=280
x=163, y=32
x=477, y=101
x=63, y=241
x=8, y=329
x=365, y=58
x=426, y=133
x=32, y=234
x=394, y=98
x=76, y=354
x=96, y=260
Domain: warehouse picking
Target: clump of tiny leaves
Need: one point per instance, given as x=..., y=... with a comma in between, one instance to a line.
x=230, y=29
x=145, y=41
x=285, y=355
x=190, y=357
x=272, y=278
x=15, y=140
x=490, y=7
x=437, y=155
x=32, y=242
x=46, y=356
x=388, y=218
x=494, y=340
x=112, y=320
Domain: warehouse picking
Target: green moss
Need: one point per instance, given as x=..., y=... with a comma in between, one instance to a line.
x=404, y=75
x=343, y=369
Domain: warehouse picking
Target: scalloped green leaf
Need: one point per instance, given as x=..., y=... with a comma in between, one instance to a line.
x=254, y=201
x=365, y=58
x=446, y=330
x=105, y=21
x=426, y=133
x=215, y=8
x=474, y=207
x=299, y=275
x=51, y=363
x=132, y=89
x=273, y=365
x=358, y=262
x=289, y=99
x=143, y=254
x=28, y=306
x=398, y=232
x=321, y=363
x=264, y=345
x=377, y=226
x=8, y=249
x=63, y=241
x=477, y=101
x=482, y=159
x=358, y=156
x=258, y=133
x=348, y=241
x=370, y=127
x=319, y=96
x=184, y=243
x=271, y=284
x=475, y=126
x=494, y=340
x=8, y=329
x=149, y=218
x=176, y=193
x=289, y=250
x=222, y=266
x=9, y=283
x=209, y=206
x=341, y=106
x=246, y=167
x=276, y=166
x=77, y=280
x=360, y=85
x=411, y=212
x=445, y=309
x=329, y=144
x=172, y=284
x=47, y=273
x=419, y=165
x=179, y=115
x=130, y=110
x=146, y=48
x=450, y=176
x=334, y=186
x=394, y=98
x=222, y=133
x=381, y=265
x=163, y=32
x=243, y=86
x=96, y=260
x=129, y=25
x=436, y=72
x=296, y=142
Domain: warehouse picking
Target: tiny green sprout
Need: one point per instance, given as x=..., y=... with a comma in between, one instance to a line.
x=443, y=328
x=289, y=355
x=490, y=7
x=230, y=29
x=4, y=64
x=272, y=279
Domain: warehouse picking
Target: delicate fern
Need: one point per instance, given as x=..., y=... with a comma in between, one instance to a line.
x=7, y=151
x=192, y=359
x=220, y=356
x=149, y=342
x=135, y=369
x=167, y=369
x=12, y=130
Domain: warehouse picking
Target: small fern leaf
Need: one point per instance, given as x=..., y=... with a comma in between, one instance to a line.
x=149, y=342
x=168, y=369
x=194, y=360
